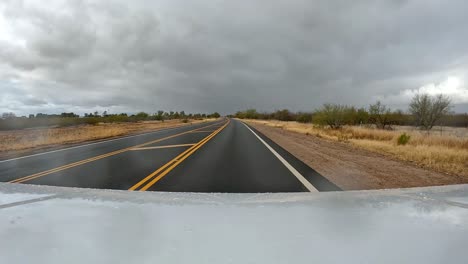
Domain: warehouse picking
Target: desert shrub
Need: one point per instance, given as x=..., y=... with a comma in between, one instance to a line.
x=92, y=120
x=142, y=116
x=249, y=114
x=184, y=120
x=332, y=115
x=283, y=115
x=403, y=139
x=304, y=117
x=214, y=115
x=69, y=121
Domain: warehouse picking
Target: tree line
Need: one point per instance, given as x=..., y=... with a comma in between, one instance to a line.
x=9, y=121
x=424, y=111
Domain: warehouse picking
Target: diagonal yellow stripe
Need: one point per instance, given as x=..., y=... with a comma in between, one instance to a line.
x=176, y=160
x=134, y=187
x=163, y=147
x=74, y=164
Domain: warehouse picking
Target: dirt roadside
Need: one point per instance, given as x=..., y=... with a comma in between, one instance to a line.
x=352, y=168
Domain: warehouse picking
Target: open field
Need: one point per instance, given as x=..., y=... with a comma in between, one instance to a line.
x=27, y=139
x=444, y=153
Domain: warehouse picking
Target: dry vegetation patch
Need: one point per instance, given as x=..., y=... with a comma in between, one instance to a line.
x=436, y=150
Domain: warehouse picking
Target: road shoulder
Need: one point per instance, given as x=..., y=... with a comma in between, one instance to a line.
x=352, y=168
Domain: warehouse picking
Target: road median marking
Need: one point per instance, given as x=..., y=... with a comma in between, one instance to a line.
x=163, y=147
x=298, y=175
x=203, y=131
x=81, y=162
x=166, y=168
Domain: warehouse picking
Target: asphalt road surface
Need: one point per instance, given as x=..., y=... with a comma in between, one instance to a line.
x=221, y=156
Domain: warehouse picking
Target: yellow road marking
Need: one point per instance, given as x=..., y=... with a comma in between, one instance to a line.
x=164, y=166
x=203, y=131
x=179, y=160
x=74, y=164
x=174, y=162
x=163, y=147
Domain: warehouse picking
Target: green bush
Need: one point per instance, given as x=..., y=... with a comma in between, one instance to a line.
x=403, y=139
x=92, y=120
x=332, y=115
x=69, y=121
x=304, y=118
x=184, y=120
x=215, y=115
x=249, y=114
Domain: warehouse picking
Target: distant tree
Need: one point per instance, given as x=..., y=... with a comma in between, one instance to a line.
x=8, y=115
x=464, y=120
x=304, y=117
x=142, y=115
x=71, y=114
x=215, y=115
x=332, y=115
x=251, y=114
x=283, y=115
x=362, y=116
x=239, y=114
x=380, y=115
x=399, y=118
x=159, y=115
x=427, y=110
x=350, y=115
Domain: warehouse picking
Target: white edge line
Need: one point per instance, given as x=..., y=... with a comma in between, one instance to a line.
x=298, y=175
x=85, y=145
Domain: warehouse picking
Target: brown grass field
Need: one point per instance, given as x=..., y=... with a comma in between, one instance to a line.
x=443, y=149
x=20, y=140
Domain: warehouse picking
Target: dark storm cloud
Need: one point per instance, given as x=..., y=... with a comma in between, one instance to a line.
x=227, y=55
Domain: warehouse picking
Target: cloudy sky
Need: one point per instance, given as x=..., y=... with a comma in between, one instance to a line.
x=217, y=55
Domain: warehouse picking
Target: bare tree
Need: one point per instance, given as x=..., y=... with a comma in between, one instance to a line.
x=427, y=110
x=380, y=115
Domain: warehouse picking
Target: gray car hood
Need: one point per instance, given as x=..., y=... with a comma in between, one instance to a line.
x=41, y=224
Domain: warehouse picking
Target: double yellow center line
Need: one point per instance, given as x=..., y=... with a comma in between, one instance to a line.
x=157, y=175
x=81, y=162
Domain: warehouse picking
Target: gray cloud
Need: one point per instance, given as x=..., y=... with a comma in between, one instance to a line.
x=227, y=55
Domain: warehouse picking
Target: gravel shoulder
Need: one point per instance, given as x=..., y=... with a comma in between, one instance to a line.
x=352, y=168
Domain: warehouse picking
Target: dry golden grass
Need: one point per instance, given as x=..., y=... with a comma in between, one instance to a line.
x=41, y=137
x=443, y=153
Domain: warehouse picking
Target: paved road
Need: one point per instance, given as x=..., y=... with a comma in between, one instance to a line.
x=221, y=156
